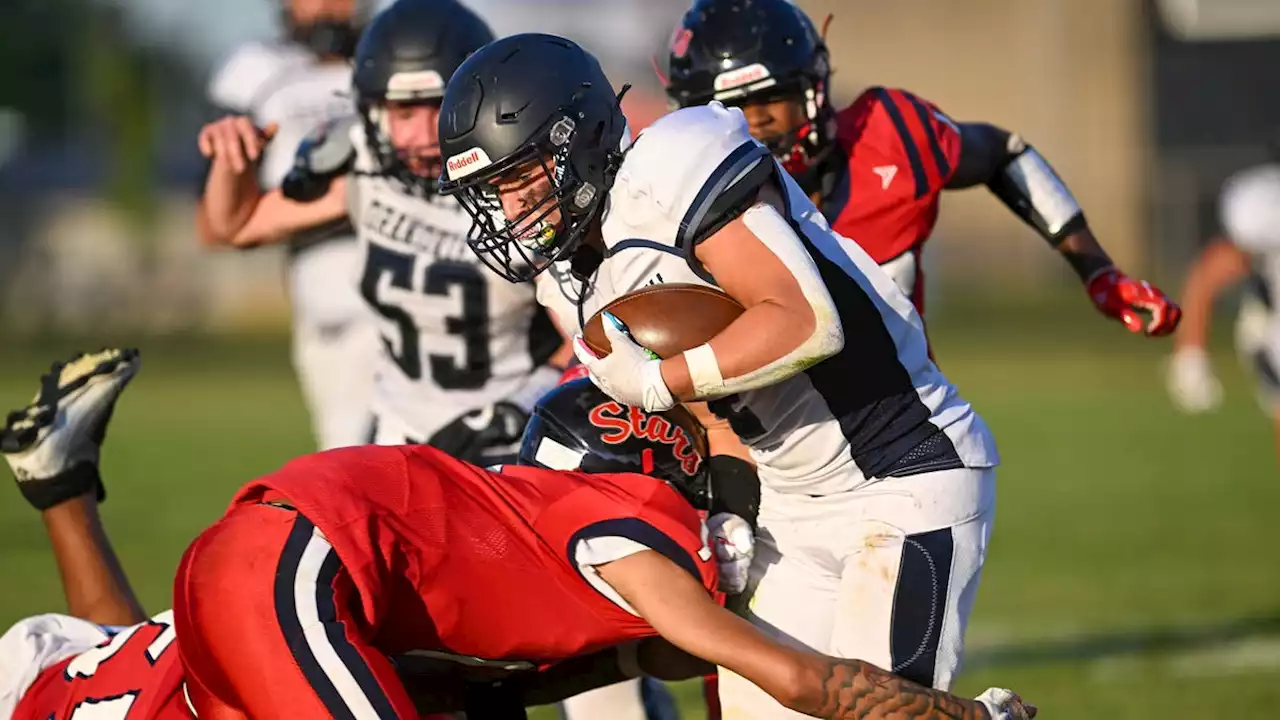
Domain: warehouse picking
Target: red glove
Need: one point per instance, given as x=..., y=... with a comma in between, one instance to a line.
x=1119, y=296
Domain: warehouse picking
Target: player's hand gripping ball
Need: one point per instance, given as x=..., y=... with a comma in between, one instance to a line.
x=623, y=344
x=630, y=374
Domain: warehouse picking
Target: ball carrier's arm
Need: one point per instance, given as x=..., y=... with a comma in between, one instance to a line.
x=790, y=322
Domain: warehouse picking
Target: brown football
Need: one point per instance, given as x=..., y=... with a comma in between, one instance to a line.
x=666, y=318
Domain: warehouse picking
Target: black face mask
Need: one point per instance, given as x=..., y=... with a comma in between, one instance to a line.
x=328, y=38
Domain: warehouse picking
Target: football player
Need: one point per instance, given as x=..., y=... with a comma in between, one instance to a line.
x=462, y=358
x=288, y=87
x=1250, y=248
x=67, y=667
x=876, y=168
x=341, y=559
x=57, y=666
x=105, y=659
x=878, y=478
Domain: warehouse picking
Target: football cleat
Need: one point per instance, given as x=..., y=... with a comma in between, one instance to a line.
x=53, y=444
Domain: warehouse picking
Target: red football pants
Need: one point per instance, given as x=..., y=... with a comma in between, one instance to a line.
x=262, y=610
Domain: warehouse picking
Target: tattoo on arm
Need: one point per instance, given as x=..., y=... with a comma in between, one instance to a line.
x=854, y=689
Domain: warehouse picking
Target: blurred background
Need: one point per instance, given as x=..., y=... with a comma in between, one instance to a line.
x=1133, y=570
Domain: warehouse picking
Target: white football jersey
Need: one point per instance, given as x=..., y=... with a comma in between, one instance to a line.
x=878, y=408
x=1250, y=210
x=456, y=336
x=285, y=84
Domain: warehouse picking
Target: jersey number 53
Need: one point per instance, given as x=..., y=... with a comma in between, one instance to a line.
x=472, y=370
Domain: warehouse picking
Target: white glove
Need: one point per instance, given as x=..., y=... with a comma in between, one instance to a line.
x=629, y=374
x=1192, y=385
x=1004, y=704
x=734, y=542
x=1253, y=324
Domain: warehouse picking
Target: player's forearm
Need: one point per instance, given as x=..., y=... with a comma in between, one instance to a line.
x=1027, y=184
x=228, y=202
x=790, y=322
x=92, y=578
x=277, y=218
x=1084, y=253
x=1220, y=265
x=765, y=345
x=847, y=689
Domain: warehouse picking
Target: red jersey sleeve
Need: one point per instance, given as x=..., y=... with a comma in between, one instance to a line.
x=637, y=508
x=910, y=130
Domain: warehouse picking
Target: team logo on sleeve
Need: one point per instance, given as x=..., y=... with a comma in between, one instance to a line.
x=624, y=423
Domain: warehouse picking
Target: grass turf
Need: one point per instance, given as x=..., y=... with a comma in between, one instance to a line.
x=1132, y=573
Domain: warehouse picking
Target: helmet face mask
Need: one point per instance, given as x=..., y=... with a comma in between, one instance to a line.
x=578, y=427
x=532, y=134
x=556, y=206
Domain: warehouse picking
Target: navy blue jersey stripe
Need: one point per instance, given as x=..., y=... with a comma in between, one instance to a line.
x=920, y=605
x=908, y=144
x=637, y=530
x=336, y=631
x=287, y=576
x=737, y=162
x=641, y=243
x=291, y=625
x=868, y=390
x=935, y=148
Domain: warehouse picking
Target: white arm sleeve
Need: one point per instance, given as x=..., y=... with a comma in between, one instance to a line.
x=767, y=224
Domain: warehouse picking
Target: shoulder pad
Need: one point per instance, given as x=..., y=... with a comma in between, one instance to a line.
x=357, y=135
x=1250, y=208
x=248, y=69
x=682, y=164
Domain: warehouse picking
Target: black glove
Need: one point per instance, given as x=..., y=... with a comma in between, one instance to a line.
x=735, y=487
x=487, y=436
x=326, y=153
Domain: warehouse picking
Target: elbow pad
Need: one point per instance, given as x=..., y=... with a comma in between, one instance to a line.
x=323, y=155
x=1028, y=185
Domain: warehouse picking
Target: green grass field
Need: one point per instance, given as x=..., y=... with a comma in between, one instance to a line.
x=1133, y=573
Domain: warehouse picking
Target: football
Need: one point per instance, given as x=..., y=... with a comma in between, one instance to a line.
x=666, y=318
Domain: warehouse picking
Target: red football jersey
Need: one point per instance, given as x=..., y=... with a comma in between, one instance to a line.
x=902, y=151
x=136, y=675
x=449, y=557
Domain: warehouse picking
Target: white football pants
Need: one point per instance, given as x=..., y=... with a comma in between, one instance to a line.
x=885, y=574
x=335, y=343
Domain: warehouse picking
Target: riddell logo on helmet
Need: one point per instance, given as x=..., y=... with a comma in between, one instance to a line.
x=463, y=164
x=742, y=76
x=623, y=423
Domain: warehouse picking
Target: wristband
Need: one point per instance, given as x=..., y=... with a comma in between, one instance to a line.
x=704, y=371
